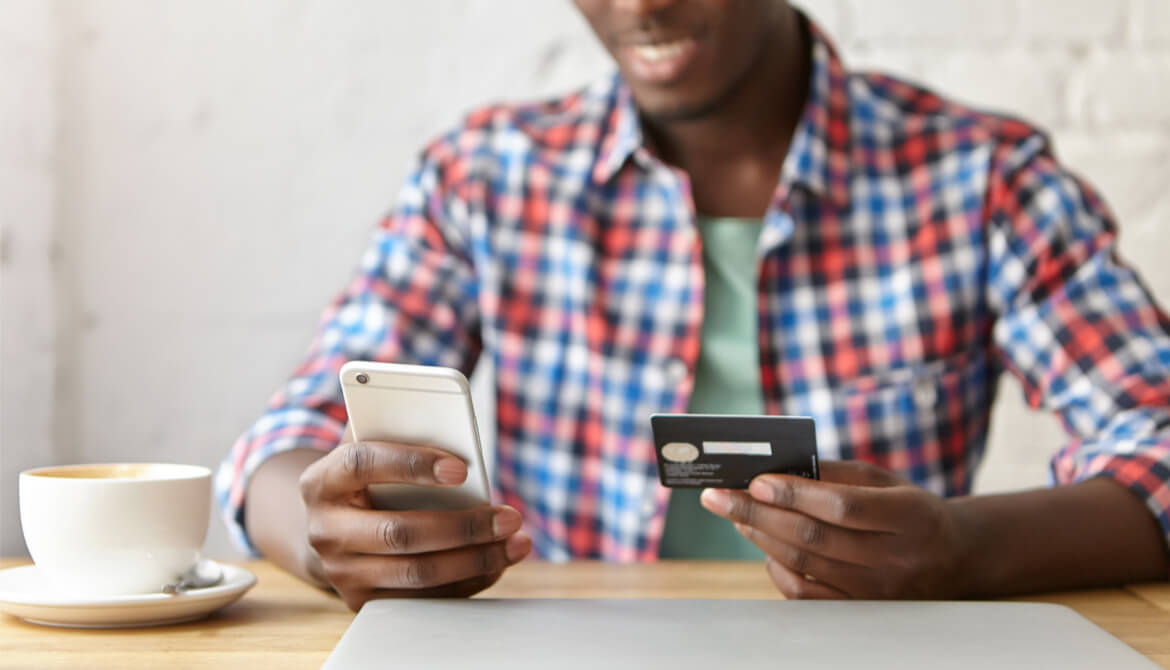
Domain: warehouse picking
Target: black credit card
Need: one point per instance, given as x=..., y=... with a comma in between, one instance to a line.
x=728, y=451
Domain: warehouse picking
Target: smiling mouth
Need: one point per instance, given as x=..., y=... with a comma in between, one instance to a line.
x=660, y=62
x=655, y=53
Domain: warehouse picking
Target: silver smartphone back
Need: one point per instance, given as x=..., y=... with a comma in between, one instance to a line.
x=421, y=405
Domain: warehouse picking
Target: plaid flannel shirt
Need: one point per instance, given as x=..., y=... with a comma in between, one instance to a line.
x=913, y=250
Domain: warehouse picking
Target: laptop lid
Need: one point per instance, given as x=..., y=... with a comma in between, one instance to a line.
x=705, y=634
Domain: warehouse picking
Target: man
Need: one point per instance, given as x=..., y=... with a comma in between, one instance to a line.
x=735, y=224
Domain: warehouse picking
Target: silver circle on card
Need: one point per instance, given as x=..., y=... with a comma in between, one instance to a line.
x=680, y=452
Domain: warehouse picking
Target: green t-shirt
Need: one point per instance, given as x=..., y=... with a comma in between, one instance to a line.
x=727, y=379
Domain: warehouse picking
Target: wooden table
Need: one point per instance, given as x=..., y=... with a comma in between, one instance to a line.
x=283, y=623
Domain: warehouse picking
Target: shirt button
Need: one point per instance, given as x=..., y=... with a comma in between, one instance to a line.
x=925, y=393
x=676, y=370
x=649, y=507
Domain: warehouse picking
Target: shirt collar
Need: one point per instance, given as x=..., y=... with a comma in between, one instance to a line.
x=624, y=132
x=818, y=156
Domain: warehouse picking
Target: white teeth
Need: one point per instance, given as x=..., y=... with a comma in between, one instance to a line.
x=654, y=53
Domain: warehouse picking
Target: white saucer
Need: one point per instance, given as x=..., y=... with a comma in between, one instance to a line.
x=24, y=593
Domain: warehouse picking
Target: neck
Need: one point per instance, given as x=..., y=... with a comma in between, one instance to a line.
x=757, y=119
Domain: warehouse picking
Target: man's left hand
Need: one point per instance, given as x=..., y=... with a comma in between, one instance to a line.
x=859, y=532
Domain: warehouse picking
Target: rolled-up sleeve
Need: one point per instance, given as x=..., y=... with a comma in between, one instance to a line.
x=413, y=300
x=1078, y=327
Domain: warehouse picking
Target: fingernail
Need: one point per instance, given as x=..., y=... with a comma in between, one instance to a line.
x=450, y=471
x=716, y=500
x=760, y=491
x=517, y=547
x=506, y=521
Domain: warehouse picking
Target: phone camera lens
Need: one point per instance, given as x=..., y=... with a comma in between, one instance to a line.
x=362, y=378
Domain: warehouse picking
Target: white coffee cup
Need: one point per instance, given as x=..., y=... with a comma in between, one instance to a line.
x=117, y=528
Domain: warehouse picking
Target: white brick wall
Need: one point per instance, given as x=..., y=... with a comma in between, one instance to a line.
x=27, y=316
x=1126, y=90
x=220, y=164
x=1064, y=23
x=1153, y=20
x=938, y=23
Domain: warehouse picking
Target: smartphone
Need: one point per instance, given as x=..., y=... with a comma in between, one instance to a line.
x=421, y=405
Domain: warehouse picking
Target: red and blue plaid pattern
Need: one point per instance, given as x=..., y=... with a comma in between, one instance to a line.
x=914, y=249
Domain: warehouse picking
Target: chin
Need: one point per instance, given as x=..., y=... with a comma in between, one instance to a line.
x=672, y=111
x=691, y=100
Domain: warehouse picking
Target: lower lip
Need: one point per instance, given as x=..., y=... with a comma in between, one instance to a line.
x=661, y=71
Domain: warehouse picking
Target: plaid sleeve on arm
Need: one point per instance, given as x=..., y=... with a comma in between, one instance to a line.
x=1078, y=328
x=413, y=300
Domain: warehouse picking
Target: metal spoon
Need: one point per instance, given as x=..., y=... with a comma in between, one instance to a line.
x=203, y=574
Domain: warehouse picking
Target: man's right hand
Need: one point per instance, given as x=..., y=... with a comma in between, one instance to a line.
x=367, y=554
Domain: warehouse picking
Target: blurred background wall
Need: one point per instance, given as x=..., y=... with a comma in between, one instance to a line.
x=183, y=185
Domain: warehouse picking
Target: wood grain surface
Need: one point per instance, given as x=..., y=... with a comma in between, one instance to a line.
x=284, y=623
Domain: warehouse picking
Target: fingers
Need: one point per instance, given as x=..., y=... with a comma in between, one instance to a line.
x=847, y=505
x=848, y=578
x=359, y=576
x=367, y=554
x=352, y=466
x=463, y=589
x=798, y=587
x=359, y=531
x=805, y=533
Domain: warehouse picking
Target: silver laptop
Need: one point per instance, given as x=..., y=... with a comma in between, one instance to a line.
x=712, y=634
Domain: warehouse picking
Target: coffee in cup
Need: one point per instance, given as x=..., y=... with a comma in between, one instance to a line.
x=114, y=529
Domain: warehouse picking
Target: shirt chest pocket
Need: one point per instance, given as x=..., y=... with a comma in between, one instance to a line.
x=925, y=422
